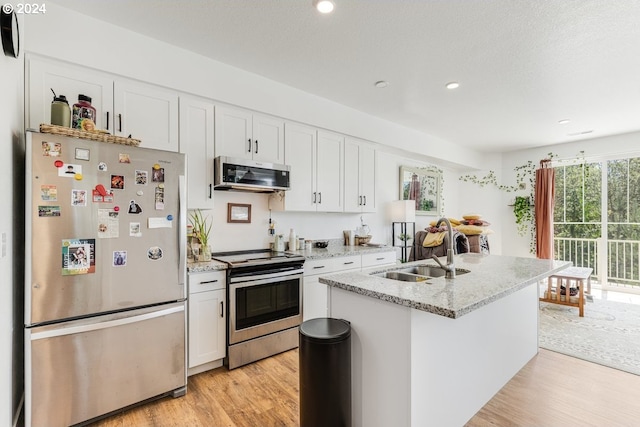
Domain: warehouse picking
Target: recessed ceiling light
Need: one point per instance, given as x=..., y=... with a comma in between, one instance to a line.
x=324, y=6
x=452, y=85
x=563, y=121
x=381, y=84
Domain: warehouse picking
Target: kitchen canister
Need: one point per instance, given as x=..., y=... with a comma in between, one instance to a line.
x=83, y=111
x=60, y=111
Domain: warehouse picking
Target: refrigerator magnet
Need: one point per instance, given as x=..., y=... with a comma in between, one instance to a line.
x=69, y=170
x=154, y=253
x=117, y=182
x=159, y=198
x=135, y=230
x=51, y=149
x=108, y=224
x=119, y=258
x=78, y=197
x=48, y=211
x=102, y=196
x=102, y=166
x=83, y=154
x=134, y=208
x=78, y=256
x=49, y=193
x=124, y=158
x=158, y=174
x=142, y=177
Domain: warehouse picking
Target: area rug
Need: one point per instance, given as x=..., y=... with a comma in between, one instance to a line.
x=608, y=334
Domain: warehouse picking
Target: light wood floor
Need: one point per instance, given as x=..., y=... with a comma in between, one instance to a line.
x=551, y=390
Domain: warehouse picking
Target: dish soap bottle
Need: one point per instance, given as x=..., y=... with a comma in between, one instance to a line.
x=293, y=240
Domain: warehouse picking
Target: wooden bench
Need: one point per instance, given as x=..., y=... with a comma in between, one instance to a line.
x=578, y=274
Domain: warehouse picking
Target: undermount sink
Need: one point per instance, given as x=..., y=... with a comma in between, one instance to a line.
x=418, y=273
x=405, y=277
x=430, y=270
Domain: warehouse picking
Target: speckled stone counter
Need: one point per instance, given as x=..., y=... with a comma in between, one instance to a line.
x=491, y=277
x=340, y=250
x=201, y=267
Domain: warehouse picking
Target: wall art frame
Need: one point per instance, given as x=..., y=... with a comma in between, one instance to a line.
x=425, y=186
x=238, y=213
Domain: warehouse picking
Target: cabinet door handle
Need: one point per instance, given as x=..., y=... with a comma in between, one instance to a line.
x=119, y=122
x=249, y=150
x=221, y=308
x=360, y=201
x=379, y=259
x=107, y=121
x=320, y=197
x=318, y=266
x=365, y=200
x=256, y=147
x=347, y=263
x=210, y=188
x=210, y=281
x=314, y=197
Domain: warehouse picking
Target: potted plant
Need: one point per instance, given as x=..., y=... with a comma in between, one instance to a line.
x=201, y=229
x=522, y=211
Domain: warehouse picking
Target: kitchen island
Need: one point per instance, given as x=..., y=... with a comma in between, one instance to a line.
x=433, y=353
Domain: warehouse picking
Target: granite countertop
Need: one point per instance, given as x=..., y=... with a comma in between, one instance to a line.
x=332, y=251
x=491, y=277
x=335, y=249
x=201, y=267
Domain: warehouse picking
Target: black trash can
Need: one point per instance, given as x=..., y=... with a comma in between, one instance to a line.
x=325, y=373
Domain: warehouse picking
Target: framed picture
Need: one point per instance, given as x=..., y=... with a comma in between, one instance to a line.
x=237, y=212
x=424, y=186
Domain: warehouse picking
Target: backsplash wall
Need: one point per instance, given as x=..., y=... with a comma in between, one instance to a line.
x=316, y=226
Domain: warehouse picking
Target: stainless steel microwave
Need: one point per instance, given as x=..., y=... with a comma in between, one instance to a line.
x=232, y=173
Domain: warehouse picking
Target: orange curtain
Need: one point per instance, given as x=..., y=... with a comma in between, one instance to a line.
x=545, y=192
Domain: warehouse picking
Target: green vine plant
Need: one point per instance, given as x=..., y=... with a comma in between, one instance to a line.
x=525, y=219
x=522, y=211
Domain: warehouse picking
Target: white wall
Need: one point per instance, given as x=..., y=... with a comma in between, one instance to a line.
x=618, y=146
x=11, y=265
x=316, y=226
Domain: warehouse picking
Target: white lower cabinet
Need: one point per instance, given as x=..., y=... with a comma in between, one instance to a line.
x=207, y=320
x=315, y=295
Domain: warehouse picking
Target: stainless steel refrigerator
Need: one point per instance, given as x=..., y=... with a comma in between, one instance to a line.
x=105, y=281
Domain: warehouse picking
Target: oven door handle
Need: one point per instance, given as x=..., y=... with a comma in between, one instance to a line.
x=267, y=278
x=246, y=281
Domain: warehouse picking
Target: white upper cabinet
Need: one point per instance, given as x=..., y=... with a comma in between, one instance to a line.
x=123, y=107
x=70, y=81
x=329, y=167
x=241, y=133
x=359, y=176
x=316, y=163
x=300, y=148
x=146, y=112
x=197, y=142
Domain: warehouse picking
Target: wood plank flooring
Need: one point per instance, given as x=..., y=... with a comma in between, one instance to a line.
x=551, y=390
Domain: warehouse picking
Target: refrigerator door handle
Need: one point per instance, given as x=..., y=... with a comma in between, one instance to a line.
x=103, y=325
x=182, y=240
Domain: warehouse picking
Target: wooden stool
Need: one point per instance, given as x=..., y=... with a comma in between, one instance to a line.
x=580, y=275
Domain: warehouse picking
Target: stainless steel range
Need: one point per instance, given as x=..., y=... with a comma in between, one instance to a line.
x=264, y=296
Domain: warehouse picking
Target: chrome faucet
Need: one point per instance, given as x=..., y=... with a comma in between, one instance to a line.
x=450, y=269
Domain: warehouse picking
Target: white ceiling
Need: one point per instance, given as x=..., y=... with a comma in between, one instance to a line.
x=523, y=65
